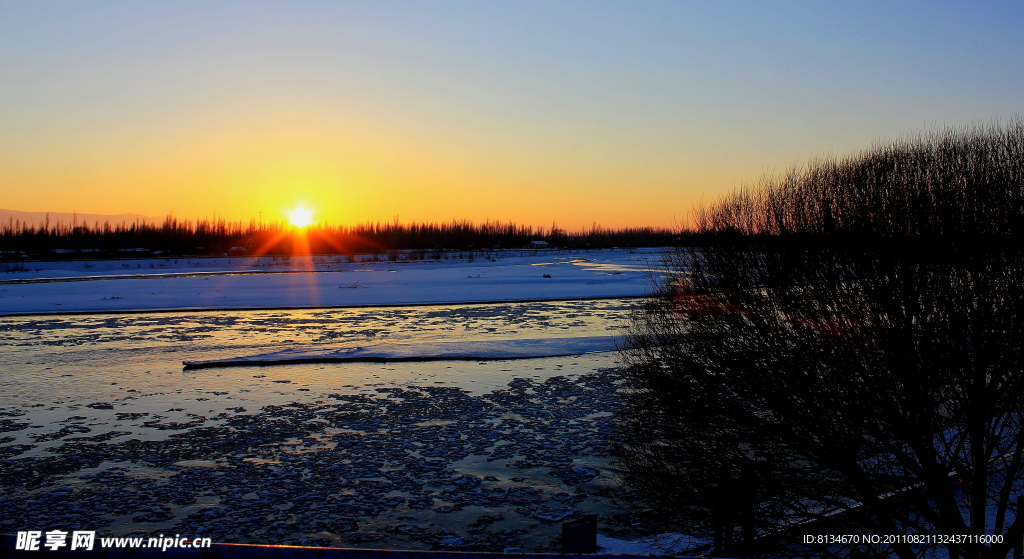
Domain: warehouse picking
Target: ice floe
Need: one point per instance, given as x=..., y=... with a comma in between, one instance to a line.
x=424, y=351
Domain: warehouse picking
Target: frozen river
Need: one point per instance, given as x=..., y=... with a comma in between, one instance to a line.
x=81, y=355
x=322, y=281
x=101, y=428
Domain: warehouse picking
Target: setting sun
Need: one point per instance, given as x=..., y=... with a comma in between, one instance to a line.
x=300, y=217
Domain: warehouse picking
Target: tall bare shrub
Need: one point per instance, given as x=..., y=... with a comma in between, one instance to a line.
x=845, y=358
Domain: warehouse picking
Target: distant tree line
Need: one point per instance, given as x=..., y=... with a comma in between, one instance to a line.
x=844, y=355
x=177, y=236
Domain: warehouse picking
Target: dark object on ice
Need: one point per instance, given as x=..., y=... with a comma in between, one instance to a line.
x=580, y=535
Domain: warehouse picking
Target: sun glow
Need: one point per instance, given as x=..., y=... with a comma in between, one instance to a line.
x=300, y=217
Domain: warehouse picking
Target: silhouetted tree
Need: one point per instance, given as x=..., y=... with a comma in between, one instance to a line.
x=815, y=377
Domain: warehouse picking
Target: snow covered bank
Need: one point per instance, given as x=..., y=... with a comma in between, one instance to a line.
x=674, y=544
x=426, y=351
x=540, y=277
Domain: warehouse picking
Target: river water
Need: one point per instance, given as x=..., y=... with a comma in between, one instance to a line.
x=100, y=428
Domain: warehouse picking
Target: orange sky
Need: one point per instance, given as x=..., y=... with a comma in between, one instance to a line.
x=617, y=114
x=353, y=170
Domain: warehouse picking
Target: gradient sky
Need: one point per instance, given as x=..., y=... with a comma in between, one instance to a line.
x=620, y=113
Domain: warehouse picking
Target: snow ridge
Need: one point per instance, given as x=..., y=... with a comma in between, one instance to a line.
x=477, y=350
